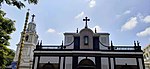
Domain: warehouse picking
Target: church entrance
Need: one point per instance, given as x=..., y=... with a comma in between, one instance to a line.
x=86, y=64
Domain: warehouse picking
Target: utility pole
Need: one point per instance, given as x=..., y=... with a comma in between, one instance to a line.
x=23, y=39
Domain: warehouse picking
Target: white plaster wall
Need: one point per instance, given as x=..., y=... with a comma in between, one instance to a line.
x=92, y=58
x=89, y=33
x=104, y=63
x=61, y=63
x=107, y=41
x=112, y=63
x=68, y=64
x=70, y=38
x=49, y=59
x=123, y=61
x=140, y=63
x=35, y=64
x=80, y=58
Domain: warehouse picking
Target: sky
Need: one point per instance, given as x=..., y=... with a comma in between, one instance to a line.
x=126, y=20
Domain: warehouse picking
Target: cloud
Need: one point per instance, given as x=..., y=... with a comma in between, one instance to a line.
x=129, y=24
x=92, y=3
x=146, y=32
x=140, y=16
x=80, y=15
x=50, y=30
x=124, y=13
x=147, y=19
x=97, y=28
x=127, y=12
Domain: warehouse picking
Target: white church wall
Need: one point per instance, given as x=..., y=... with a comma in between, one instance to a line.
x=104, y=63
x=128, y=61
x=68, y=64
x=92, y=58
x=140, y=63
x=16, y=53
x=105, y=40
x=36, y=62
x=61, y=64
x=80, y=58
x=68, y=40
x=112, y=63
x=49, y=59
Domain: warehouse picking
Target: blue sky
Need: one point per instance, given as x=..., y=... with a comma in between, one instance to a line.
x=125, y=20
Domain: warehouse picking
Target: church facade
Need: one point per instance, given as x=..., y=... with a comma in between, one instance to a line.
x=84, y=49
x=87, y=50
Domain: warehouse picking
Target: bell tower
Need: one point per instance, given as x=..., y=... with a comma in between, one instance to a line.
x=30, y=42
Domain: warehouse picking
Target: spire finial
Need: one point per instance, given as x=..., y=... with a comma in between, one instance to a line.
x=134, y=43
x=33, y=17
x=86, y=19
x=138, y=43
x=95, y=30
x=77, y=30
x=111, y=43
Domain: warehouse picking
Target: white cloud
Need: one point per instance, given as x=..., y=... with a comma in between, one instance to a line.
x=127, y=12
x=80, y=15
x=92, y=3
x=146, y=32
x=124, y=13
x=50, y=30
x=98, y=29
x=129, y=24
x=147, y=19
x=140, y=16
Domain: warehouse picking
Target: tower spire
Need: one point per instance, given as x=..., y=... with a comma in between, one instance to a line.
x=86, y=19
x=23, y=39
x=33, y=17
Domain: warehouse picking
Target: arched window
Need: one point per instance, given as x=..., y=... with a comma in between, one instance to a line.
x=27, y=37
x=86, y=40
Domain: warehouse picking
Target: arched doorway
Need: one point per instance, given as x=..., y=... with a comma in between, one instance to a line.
x=48, y=66
x=86, y=64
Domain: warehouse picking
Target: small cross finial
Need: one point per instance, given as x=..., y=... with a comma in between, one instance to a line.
x=33, y=17
x=95, y=30
x=86, y=19
x=77, y=30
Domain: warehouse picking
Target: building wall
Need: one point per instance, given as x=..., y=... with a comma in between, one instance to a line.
x=104, y=63
x=105, y=40
x=68, y=39
x=146, y=56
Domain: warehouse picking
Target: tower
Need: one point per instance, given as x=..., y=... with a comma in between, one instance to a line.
x=30, y=42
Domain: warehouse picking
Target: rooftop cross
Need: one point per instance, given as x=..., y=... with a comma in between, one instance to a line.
x=86, y=19
x=33, y=17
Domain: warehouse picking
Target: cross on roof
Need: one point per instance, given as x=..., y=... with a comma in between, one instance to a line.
x=33, y=17
x=86, y=19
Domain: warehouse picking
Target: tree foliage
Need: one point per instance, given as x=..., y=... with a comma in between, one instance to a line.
x=18, y=4
x=6, y=28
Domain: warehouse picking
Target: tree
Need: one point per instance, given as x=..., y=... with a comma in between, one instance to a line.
x=10, y=56
x=6, y=28
x=18, y=4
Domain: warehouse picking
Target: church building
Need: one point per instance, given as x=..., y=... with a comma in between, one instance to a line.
x=83, y=49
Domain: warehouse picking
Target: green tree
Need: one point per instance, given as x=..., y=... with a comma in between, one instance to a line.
x=6, y=28
x=10, y=56
x=18, y=4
